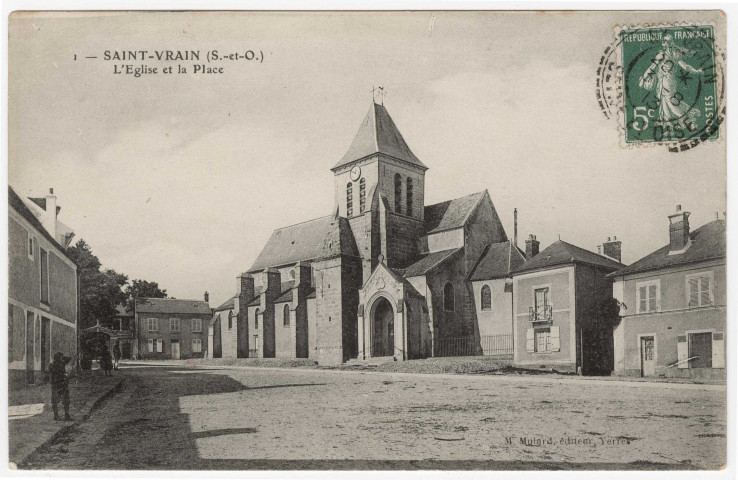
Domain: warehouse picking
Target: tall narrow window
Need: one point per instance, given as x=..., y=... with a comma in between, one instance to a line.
x=197, y=325
x=541, y=299
x=174, y=325
x=699, y=289
x=448, y=297
x=256, y=318
x=486, y=298
x=409, y=199
x=286, y=317
x=362, y=195
x=44, y=276
x=230, y=319
x=398, y=193
x=349, y=199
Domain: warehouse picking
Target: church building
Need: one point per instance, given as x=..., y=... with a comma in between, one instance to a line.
x=384, y=275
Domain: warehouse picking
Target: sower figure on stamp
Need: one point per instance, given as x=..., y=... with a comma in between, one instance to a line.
x=59, y=385
x=116, y=354
x=661, y=77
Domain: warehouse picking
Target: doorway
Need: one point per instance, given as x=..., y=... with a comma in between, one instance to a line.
x=383, y=329
x=30, y=334
x=700, y=350
x=175, y=349
x=45, y=336
x=648, y=361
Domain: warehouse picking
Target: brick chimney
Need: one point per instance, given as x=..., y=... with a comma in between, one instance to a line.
x=206, y=297
x=531, y=247
x=678, y=230
x=49, y=220
x=612, y=248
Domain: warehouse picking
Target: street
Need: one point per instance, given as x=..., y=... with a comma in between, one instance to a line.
x=252, y=418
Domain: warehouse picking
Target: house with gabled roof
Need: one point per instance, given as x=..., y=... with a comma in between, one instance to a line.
x=673, y=305
x=43, y=288
x=383, y=275
x=558, y=295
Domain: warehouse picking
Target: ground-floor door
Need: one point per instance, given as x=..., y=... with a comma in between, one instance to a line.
x=648, y=360
x=175, y=349
x=30, y=335
x=45, y=337
x=383, y=338
x=700, y=350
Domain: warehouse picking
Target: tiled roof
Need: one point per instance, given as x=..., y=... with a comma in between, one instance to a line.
x=15, y=202
x=497, y=261
x=428, y=262
x=323, y=237
x=228, y=304
x=451, y=213
x=562, y=253
x=285, y=297
x=378, y=134
x=706, y=243
x=171, y=305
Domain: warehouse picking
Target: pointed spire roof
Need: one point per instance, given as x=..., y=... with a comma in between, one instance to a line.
x=378, y=134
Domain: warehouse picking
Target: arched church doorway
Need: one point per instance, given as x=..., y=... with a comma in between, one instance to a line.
x=383, y=325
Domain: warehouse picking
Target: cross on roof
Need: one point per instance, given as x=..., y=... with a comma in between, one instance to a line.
x=378, y=91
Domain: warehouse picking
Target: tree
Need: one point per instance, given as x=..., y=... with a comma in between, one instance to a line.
x=100, y=292
x=142, y=289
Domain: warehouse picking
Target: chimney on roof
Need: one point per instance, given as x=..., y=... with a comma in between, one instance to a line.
x=531, y=247
x=206, y=297
x=612, y=248
x=49, y=217
x=678, y=230
x=515, y=229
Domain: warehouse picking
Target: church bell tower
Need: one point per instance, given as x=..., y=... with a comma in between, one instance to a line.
x=380, y=188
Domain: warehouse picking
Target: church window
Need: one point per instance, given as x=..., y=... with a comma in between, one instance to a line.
x=286, y=316
x=398, y=193
x=256, y=318
x=230, y=319
x=486, y=298
x=409, y=208
x=362, y=195
x=349, y=199
x=448, y=297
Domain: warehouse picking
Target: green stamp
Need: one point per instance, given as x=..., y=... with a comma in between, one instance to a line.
x=670, y=84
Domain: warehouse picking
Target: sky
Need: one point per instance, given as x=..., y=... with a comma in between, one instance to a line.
x=180, y=179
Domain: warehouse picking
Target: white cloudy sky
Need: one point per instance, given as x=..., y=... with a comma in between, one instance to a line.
x=181, y=179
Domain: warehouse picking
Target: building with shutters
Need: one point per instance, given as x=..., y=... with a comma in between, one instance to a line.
x=557, y=295
x=383, y=275
x=168, y=328
x=673, y=318
x=43, y=288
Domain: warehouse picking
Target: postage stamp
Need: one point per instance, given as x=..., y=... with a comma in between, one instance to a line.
x=664, y=84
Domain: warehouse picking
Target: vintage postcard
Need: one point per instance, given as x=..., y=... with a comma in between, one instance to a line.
x=367, y=240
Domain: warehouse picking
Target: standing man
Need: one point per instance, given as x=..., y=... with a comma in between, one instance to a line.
x=59, y=385
x=116, y=354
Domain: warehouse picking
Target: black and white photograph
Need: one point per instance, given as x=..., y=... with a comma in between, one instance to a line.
x=364, y=240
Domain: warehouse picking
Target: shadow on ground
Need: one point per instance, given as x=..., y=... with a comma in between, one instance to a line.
x=142, y=428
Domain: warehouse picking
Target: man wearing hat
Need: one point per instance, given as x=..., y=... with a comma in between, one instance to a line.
x=59, y=385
